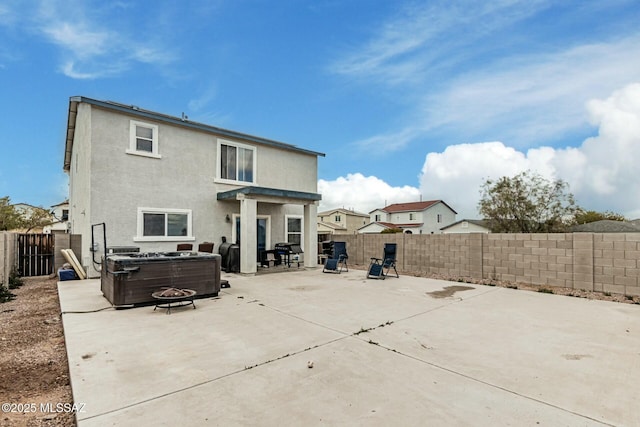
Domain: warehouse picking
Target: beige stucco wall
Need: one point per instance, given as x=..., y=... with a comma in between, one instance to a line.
x=604, y=262
x=80, y=180
x=354, y=222
x=349, y=221
x=323, y=229
x=429, y=218
x=384, y=217
x=286, y=169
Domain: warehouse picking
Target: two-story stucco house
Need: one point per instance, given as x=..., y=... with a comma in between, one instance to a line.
x=414, y=217
x=156, y=180
x=340, y=221
x=60, y=213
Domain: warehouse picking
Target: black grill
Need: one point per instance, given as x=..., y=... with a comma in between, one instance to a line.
x=230, y=253
x=286, y=250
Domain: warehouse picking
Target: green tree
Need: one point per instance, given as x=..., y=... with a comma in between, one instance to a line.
x=391, y=231
x=526, y=203
x=36, y=217
x=583, y=217
x=10, y=218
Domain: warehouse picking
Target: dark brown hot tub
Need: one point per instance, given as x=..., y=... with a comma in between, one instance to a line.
x=128, y=279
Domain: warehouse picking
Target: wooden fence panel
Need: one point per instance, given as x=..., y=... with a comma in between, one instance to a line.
x=35, y=254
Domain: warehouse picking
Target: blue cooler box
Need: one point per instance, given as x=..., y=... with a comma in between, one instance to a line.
x=66, y=275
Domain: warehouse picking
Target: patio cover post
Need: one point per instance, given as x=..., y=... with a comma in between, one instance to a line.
x=310, y=235
x=248, y=250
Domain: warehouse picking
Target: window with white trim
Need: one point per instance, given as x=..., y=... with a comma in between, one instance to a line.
x=412, y=216
x=236, y=162
x=164, y=224
x=439, y=218
x=293, y=229
x=338, y=218
x=143, y=139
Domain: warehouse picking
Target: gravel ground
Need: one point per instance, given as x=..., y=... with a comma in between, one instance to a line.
x=34, y=372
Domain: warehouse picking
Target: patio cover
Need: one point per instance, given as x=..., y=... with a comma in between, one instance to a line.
x=249, y=198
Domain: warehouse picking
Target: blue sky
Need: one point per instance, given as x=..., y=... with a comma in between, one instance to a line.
x=408, y=99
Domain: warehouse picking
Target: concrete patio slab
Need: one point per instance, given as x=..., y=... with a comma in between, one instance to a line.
x=383, y=352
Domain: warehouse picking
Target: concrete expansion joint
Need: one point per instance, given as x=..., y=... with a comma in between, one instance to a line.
x=212, y=380
x=486, y=383
x=450, y=301
x=373, y=328
x=301, y=318
x=246, y=368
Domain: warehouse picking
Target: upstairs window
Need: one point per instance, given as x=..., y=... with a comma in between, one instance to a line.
x=143, y=139
x=412, y=216
x=378, y=218
x=338, y=218
x=236, y=162
x=439, y=217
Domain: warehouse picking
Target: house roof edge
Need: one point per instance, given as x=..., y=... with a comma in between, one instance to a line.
x=134, y=110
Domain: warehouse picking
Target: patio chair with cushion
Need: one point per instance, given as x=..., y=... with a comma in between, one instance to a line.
x=337, y=260
x=205, y=247
x=388, y=261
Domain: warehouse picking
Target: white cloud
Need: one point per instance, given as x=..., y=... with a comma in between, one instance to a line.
x=88, y=48
x=602, y=172
x=362, y=193
x=390, y=141
x=82, y=71
x=525, y=100
x=462, y=85
x=6, y=17
x=422, y=37
x=80, y=41
x=531, y=99
x=204, y=98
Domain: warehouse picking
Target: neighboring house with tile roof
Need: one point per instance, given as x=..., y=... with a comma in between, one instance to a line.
x=467, y=226
x=413, y=218
x=340, y=221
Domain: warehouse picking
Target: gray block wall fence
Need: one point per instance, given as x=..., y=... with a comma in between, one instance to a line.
x=65, y=241
x=9, y=251
x=603, y=262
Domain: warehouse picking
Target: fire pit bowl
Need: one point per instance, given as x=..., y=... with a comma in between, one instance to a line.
x=178, y=297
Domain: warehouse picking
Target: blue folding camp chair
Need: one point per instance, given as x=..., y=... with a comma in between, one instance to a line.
x=378, y=266
x=337, y=260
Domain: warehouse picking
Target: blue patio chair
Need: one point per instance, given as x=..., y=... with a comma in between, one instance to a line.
x=388, y=261
x=337, y=260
